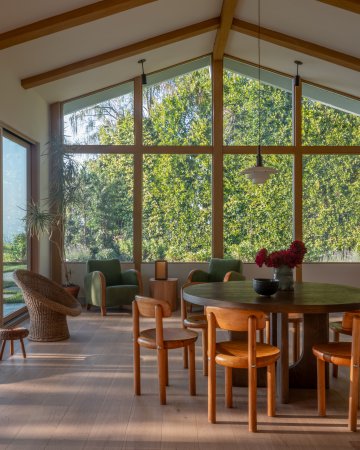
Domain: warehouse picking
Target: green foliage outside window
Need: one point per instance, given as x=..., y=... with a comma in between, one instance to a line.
x=178, y=111
x=324, y=125
x=177, y=207
x=177, y=188
x=331, y=208
x=241, y=118
x=256, y=216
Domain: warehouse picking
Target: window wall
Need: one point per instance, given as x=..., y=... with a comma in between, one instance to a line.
x=15, y=196
x=169, y=186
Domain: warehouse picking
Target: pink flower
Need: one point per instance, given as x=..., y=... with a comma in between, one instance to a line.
x=291, y=257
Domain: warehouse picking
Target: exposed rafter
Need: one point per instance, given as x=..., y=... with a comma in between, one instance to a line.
x=349, y=5
x=122, y=53
x=226, y=19
x=67, y=20
x=298, y=45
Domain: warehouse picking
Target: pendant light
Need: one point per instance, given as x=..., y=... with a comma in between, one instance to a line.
x=259, y=174
x=143, y=75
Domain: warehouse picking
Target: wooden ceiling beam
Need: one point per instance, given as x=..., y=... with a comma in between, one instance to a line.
x=226, y=19
x=298, y=45
x=69, y=19
x=121, y=53
x=349, y=5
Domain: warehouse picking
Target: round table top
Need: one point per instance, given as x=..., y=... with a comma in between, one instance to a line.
x=308, y=298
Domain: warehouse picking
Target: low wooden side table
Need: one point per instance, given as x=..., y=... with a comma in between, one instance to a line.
x=165, y=290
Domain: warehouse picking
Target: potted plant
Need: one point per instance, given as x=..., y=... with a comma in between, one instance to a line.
x=48, y=218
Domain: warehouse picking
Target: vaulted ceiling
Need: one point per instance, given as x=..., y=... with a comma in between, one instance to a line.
x=68, y=48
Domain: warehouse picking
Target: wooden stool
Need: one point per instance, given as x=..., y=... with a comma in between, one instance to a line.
x=12, y=334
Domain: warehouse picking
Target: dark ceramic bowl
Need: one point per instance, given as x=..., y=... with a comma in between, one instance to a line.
x=265, y=286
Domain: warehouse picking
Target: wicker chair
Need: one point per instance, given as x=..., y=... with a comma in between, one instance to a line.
x=48, y=304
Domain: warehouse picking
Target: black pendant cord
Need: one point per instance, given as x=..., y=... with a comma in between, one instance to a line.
x=258, y=156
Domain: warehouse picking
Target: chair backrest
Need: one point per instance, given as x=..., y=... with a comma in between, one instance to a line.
x=233, y=319
x=111, y=269
x=347, y=320
x=219, y=267
x=147, y=305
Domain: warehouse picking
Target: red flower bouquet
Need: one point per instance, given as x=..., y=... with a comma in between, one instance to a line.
x=291, y=257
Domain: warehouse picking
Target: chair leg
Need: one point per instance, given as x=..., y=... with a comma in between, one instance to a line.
x=321, y=387
x=296, y=341
x=204, y=350
x=267, y=331
x=261, y=336
x=167, y=367
x=354, y=397
x=185, y=356
x=252, y=374
x=137, y=383
x=228, y=387
x=88, y=306
x=162, y=375
x=335, y=367
x=2, y=349
x=271, y=390
x=192, y=377
x=211, y=390
x=103, y=310
x=11, y=347
x=22, y=347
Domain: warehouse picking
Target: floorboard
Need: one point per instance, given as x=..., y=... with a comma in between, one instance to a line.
x=78, y=394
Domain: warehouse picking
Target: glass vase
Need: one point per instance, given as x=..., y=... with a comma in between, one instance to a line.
x=285, y=277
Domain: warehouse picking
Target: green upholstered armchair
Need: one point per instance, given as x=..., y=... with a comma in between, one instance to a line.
x=219, y=270
x=106, y=285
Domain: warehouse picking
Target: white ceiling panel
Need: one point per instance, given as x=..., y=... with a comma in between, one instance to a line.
x=126, y=69
x=282, y=59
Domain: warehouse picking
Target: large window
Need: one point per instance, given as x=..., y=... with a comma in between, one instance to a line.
x=105, y=117
x=256, y=216
x=332, y=207
x=15, y=154
x=177, y=207
x=99, y=222
x=241, y=106
x=177, y=111
x=168, y=173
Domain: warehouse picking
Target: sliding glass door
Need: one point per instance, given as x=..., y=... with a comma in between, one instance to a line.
x=15, y=194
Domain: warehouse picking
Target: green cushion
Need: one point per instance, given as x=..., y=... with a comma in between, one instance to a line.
x=110, y=268
x=121, y=295
x=219, y=267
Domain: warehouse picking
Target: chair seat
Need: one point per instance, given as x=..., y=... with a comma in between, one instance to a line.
x=334, y=352
x=173, y=338
x=235, y=354
x=196, y=321
x=337, y=327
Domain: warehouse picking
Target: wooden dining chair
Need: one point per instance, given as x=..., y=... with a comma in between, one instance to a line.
x=160, y=339
x=239, y=355
x=341, y=354
x=343, y=326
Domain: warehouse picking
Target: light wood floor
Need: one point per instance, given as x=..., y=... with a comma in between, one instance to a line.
x=78, y=394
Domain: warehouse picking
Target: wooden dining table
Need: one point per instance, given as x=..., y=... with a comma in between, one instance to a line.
x=314, y=300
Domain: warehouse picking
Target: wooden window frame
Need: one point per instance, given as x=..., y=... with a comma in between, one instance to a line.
x=217, y=150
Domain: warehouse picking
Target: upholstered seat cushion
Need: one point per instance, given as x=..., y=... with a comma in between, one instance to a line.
x=124, y=294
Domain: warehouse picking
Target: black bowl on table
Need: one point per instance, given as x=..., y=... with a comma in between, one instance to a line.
x=265, y=286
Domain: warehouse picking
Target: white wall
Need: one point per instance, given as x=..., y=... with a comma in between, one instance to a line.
x=334, y=273
x=26, y=112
